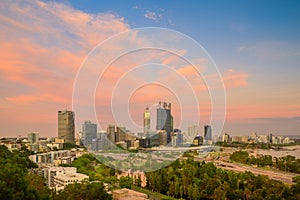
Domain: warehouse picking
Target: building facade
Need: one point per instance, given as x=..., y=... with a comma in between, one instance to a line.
x=111, y=135
x=89, y=132
x=33, y=138
x=120, y=134
x=207, y=133
x=66, y=126
x=164, y=119
x=146, y=120
x=193, y=131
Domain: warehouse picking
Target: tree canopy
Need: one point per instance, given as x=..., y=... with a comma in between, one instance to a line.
x=199, y=180
x=17, y=183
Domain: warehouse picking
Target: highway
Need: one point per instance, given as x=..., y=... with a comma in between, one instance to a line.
x=276, y=175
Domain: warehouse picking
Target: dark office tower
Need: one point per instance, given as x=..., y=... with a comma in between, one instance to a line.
x=111, y=135
x=89, y=132
x=270, y=138
x=207, y=132
x=146, y=120
x=164, y=119
x=66, y=126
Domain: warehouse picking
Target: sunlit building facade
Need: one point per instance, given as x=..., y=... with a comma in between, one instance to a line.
x=66, y=126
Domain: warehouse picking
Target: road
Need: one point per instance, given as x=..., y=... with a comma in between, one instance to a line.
x=276, y=175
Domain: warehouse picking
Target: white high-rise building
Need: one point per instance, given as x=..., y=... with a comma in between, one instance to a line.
x=193, y=131
x=33, y=138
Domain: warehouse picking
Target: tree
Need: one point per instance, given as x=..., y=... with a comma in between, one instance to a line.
x=125, y=182
x=37, y=183
x=296, y=187
x=87, y=191
x=219, y=194
x=196, y=180
x=15, y=182
x=138, y=181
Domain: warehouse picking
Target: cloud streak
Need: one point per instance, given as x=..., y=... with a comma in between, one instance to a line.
x=42, y=45
x=265, y=119
x=152, y=15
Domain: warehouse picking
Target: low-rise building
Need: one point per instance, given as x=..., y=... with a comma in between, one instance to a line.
x=62, y=180
x=49, y=157
x=49, y=173
x=198, y=140
x=59, y=177
x=127, y=194
x=226, y=138
x=12, y=146
x=263, y=139
x=55, y=145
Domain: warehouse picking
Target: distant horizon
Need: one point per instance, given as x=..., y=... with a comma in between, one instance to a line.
x=245, y=134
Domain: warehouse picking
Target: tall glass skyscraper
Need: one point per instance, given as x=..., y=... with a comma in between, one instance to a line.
x=89, y=132
x=207, y=132
x=164, y=120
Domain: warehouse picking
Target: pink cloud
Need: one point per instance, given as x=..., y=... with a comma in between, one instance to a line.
x=32, y=99
x=42, y=45
x=244, y=112
x=188, y=71
x=235, y=79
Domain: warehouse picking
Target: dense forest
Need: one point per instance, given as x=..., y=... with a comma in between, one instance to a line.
x=288, y=163
x=16, y=183
x=199, y=180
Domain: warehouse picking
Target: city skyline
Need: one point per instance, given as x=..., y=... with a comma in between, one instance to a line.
x=43, y=44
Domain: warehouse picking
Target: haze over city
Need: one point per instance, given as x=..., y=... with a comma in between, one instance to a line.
x=254, y=44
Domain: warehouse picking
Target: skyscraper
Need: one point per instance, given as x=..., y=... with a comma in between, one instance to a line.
x=89, y=132
x=207, y=133
x=177, y=137
x=270, y=138
x=226, y=138
x=193, y=131
x=164, y=119
x=162, y=137
x=66, y=126
x=33, y=138
x=146, y=120
x=120, y=134
x=111, y=135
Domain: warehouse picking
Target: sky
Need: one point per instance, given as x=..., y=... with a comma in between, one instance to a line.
x=254, y=44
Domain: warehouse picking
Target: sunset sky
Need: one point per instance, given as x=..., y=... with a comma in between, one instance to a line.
x=255, y=45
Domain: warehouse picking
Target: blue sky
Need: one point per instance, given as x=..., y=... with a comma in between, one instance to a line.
x=255, y=44
x=260, y=38
x=222, y=27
